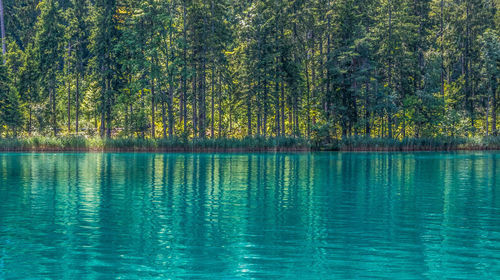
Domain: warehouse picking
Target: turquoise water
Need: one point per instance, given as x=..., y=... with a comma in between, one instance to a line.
x=230, y=216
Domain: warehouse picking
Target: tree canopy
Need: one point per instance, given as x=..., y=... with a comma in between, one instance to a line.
x=226, y=68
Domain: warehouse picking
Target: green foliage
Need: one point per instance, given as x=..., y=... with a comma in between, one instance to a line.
x=256, y=70
x=10, y=113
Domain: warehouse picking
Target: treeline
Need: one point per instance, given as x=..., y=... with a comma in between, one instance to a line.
x=226, y=68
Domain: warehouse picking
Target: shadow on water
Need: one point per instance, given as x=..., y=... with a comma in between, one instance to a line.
x=318, y=215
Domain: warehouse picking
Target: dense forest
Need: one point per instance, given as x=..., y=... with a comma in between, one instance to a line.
x=231, y=68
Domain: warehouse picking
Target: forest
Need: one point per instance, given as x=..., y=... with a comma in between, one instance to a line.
x=196, y=69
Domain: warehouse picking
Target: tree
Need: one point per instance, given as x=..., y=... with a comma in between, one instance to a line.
x=10, y=113
x=79, y=35
x=490, y=55
x=2, y=28
x=49, y=51
x=106, y=67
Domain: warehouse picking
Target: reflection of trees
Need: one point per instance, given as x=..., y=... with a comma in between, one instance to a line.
x=247, y=214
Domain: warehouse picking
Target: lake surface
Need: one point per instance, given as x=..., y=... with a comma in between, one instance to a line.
x=230, y=216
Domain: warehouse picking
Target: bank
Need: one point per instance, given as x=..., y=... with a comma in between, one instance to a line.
x=247, y=144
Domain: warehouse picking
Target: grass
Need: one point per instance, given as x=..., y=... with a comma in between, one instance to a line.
x=79, y=143
x=416, y=144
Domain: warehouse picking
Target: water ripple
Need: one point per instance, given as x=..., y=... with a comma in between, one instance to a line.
x=227, y=216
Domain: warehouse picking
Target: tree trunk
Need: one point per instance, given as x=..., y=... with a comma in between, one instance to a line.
x=203, y=109
x=308, y=98
x=171, y=111
x=163, y=114
x=170, y=96
x=389, y=72
x=367, y=111
x=69, y=107
x=212, y=101
x=249, y=115
x=264, y=120
x=2, y=30
x=494, y=109
x=53, y=107
x=69, y=88
x=277, y=82
x=108, y=111
x=488, y=107
x=195, y=109
x=442, y=47
x=184, y=70
x=153, y=128
x=277, y=101
x=468, y=94
x=283, y=128
x=77, y=101
x=163, y=99
x=212, y=31
x=30, y=119
x=220, y=104
x=328, y=72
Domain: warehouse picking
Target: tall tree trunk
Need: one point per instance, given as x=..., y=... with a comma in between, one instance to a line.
x=468, y=94
x=163, y=114
x=367, y=111
x=202, y=100
x=212, y=31
x=203, y=93
x=103, y=125
x=30, y=118
x=77, y=102
x=328, y=66
x=219, y=91
x=308, y=98
x=494, y=109
x=69, y=88
x=277, y=100
x=321, y=69
x=163, y=94
x=54, y=121
x=163, y=98
x=213, y=102
x=171, y=109
x=170, y=102
x=2, y=30
x=313, y=73
x=389, y=71
x=442, y=47
x=249, y=115
x=153, y=126
x=488, y=108
x=69, y=107
x=184, y=70
x=258, y=99
x=264, y=121
x=108, y=111
x=195, y=106
x=276, y=81
x=283, y=128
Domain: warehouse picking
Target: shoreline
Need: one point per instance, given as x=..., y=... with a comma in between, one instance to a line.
x=145, y=150
x=242, y=150
x=254, y=144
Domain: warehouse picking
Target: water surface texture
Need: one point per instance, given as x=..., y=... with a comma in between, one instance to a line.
x=231, y=216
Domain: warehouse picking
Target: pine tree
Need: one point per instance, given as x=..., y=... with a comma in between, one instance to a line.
x=79, y=35
x=49, y=51
x=106, y=65
x=10, y=113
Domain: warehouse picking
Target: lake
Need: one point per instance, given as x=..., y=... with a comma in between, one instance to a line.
x=231, y=216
